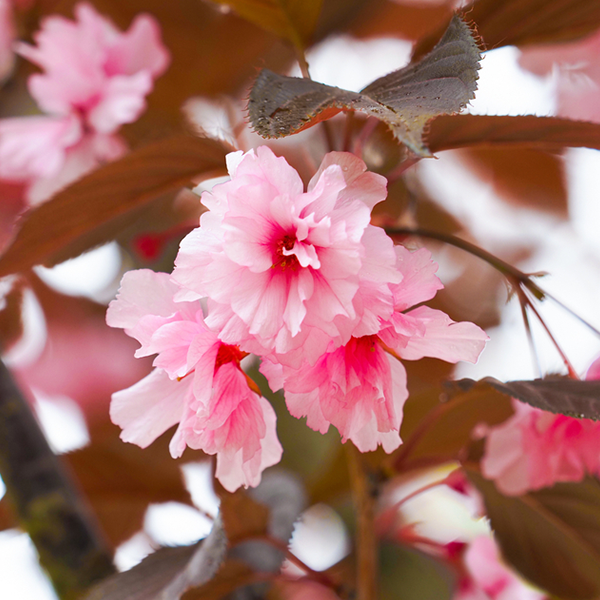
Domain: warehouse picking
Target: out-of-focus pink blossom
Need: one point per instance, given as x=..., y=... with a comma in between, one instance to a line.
x=576, y=72
x=7, y=37
x=197, y=382
x=536, y=449
x=488, y=578
x=95, y=79
x=92, y=68
x=360, y=387
x=282, y=268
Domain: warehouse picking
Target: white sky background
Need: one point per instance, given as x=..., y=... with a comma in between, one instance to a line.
x=569, y=251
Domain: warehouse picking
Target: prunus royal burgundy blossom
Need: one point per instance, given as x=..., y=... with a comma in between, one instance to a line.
x=95, y=78
x=536, y=449
x=305, y=282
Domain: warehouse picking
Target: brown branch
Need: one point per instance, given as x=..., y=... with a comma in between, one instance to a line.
x=367, y=550
x=45, y=501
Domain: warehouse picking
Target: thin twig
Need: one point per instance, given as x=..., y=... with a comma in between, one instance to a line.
x=45, y=499
x=532, y=348
x=566, y=361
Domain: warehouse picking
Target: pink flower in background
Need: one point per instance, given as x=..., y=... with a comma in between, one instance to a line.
x=197, y=382
x=488, y=578
x=95, y=79
x=360, y=387
x=536, y=449
x=283, y=267
x=576, y=72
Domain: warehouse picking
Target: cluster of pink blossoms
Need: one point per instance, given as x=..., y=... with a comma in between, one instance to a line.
x=536, y=449
x=305, y=282
x=95, y=78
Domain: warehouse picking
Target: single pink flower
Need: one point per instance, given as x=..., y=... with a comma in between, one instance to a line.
x=489, y=578
x=95, y=79
x=281, y=267
x=536, y=449
x=197, y=382
x=92, y=68
x=360, y=387
x=576, y=75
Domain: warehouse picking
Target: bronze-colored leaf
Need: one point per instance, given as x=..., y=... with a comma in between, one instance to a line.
x=524, y=22
x=48, y=230
x=242, y=516
x=406, y=20
x=11, y=321
x=544, y=133
x=294, y=20
x=558, y=395
x=525, y=177
x=450, y=422
x=551, y=536
x=120, y=480
x=441, y=83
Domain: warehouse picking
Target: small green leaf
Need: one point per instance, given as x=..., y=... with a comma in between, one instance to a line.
x=552, y=536
x=442, y=82
x=294, y=20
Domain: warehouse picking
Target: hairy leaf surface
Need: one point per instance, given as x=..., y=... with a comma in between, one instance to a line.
x=558, y=395
x=441, y=83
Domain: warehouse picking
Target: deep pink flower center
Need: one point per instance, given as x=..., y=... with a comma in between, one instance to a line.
x=280, y=260
x=227, y=354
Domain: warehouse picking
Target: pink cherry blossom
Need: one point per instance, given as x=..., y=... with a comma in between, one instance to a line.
x=95, y=79
x=283, y=267
x=93, y=68
x=536, y=449
x=576, y=75
x=488, y=578
x=197, y=382
x=360, y=387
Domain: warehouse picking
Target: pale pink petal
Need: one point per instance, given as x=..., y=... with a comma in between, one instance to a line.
x=35, y=147
x=148, y=408
x=143, y=292
x=140, y=48
x=91, y=151
x=122, y=102
x=419, y=282
x=443, y=338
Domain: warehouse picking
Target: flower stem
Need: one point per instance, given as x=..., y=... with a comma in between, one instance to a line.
x=364, y=494
x=45, y=499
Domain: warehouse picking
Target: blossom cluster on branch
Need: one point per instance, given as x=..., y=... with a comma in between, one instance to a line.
x=302, y=280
